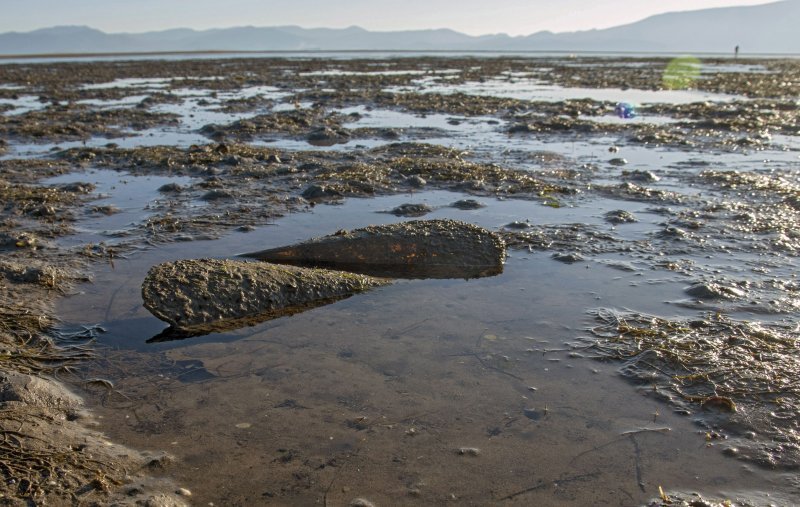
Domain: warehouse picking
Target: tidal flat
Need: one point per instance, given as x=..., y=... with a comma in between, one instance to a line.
x=640, y=346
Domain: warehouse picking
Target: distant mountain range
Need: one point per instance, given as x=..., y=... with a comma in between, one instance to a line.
x=768, y=28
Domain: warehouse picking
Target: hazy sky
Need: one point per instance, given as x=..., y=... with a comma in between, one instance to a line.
x=475, y=17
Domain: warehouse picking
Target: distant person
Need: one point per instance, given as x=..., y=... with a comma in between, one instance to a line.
x=736, y=52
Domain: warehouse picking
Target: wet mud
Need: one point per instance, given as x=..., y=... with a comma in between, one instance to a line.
x=659, y=247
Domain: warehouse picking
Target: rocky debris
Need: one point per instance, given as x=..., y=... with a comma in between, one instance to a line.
x=414, y=249
x=204, y=295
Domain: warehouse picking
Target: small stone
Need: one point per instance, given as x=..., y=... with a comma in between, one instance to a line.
x=319, y=192
x=411, y=210
x=620, y=217
x=518, y=225
x=640, y=176
x=216, y=195
x=467, y=204
x=183, y=492
x=361, y=502
x=618, y=161
x=469, y=451
x=568, y=258
x=730, y=451
x=170, y=188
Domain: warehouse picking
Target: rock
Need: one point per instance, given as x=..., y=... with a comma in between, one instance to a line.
x=204, y=295
x=326, y=136
x=521, y=127
x=37, y=392
x=469, y=451
x=617, y=161
x=320, y=193
x=620, y=216
x=414, y=249
x=568, y=258
x=713, y=290
x=640, y=176
x=217, y=195
x=162, y=500
x=467, y=204
x=170, y=188
x=411, y=210
x=518, y=225
x=361, y=502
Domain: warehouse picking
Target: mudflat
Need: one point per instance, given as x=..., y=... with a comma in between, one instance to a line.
x=639, y=346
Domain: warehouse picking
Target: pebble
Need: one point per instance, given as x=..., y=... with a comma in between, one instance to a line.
x=640, y=176
x=361, y=502
x=519, y=225
x=411, y=210
x=620, y=217
x=568, y=258
x=469, y=451
x=183, y=492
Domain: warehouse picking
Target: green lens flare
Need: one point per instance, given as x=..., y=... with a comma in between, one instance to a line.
x=681, y=72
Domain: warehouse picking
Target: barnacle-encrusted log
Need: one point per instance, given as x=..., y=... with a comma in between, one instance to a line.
x=203, y=295
x=414, y=249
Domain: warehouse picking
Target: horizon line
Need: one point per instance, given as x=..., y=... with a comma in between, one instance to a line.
x=378, y=51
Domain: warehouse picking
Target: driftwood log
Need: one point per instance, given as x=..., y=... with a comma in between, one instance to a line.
x=206, y=295
x=415, y=249
x=203, y=295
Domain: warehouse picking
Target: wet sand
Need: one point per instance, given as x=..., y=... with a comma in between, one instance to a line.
x=426, y=392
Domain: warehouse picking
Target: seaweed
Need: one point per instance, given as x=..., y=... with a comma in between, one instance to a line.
x=737, y=374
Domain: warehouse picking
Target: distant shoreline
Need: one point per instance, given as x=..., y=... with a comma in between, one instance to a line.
x=4, y=58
